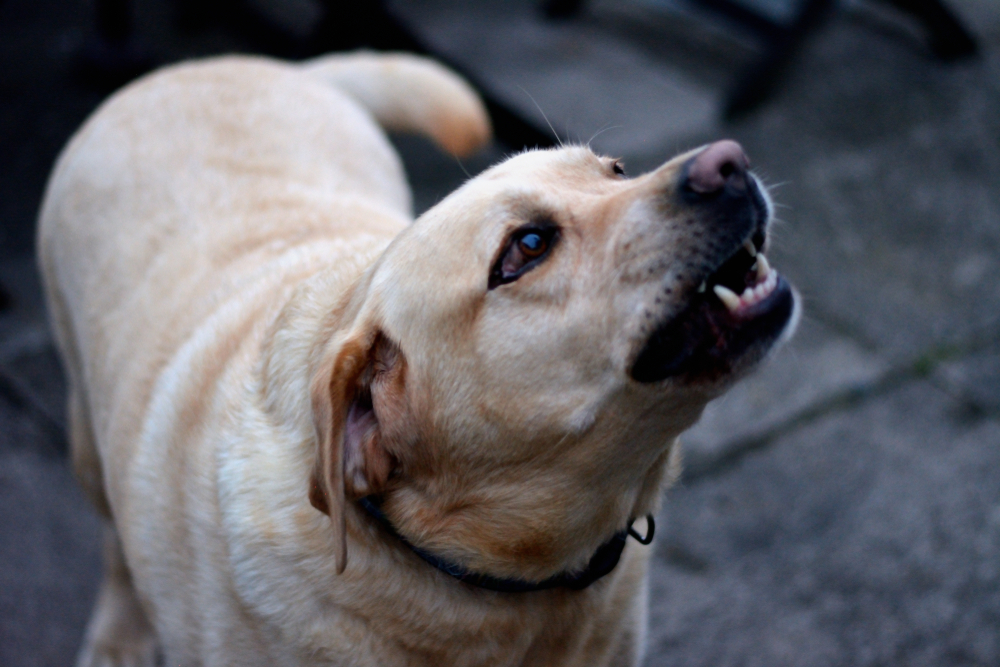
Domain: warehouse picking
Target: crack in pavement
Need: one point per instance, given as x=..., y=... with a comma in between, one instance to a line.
x=921, y=367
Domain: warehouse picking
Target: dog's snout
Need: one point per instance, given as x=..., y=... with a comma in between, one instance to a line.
x=721, y=164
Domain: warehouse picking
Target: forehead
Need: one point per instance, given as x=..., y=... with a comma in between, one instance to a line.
x=567, y=167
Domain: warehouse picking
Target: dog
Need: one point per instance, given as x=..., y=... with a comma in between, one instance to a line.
x=324, y=434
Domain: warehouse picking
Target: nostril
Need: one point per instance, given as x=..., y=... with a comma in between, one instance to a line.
x=720, y=163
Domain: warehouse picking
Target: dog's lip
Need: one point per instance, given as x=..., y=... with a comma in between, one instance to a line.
x=742, y=305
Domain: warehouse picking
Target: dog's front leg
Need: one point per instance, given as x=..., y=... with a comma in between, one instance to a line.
x=119, y=634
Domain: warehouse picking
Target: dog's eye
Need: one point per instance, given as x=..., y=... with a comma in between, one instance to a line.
x=525, y=250
x=532, y=245
x=618, y=167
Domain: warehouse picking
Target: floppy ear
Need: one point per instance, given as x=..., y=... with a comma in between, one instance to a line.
x=355, y=384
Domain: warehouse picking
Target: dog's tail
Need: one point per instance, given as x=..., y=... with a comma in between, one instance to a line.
x=408, y=93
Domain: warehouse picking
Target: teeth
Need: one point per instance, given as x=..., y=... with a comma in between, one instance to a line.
x=750, y=247
x=727, y=296
x=763, y=268
x=702, y=287
x=751, y=295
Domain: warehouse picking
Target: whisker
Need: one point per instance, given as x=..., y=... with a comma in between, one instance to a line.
x=462, y=166
x=601, y=131
x=547, y=122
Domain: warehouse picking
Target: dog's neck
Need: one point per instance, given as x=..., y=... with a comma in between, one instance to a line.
x=508, y=540
x=601, y=563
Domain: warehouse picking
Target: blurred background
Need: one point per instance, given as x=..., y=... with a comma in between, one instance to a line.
x=841, y=507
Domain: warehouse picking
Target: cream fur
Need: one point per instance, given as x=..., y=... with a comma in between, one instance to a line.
x=229, y=259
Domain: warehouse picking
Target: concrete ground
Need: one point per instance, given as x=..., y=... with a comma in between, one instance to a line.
x=842, y=506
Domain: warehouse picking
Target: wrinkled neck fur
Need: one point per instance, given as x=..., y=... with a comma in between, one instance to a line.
x=529, y=530
x=320, y=310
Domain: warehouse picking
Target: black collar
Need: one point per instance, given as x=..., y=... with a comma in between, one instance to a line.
x=601, y=563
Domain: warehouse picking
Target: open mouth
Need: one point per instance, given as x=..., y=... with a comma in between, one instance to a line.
x=745, y=281
x=732, y=319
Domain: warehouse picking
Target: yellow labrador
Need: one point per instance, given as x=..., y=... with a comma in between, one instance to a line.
x=326, y=435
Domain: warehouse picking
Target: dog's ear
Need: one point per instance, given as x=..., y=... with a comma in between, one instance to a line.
x=358, y=399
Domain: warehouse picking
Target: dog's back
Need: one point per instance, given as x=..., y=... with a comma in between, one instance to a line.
x=197, y=180
x=188, y=208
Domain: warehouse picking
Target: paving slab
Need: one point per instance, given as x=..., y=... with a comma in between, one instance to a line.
x=867, y=538
x=49, y=547
x=973, y=378
x=816, y=367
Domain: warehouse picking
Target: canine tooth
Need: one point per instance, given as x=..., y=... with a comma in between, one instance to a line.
x=702, y=287
x=750, y=247
x=763, y=268
x=727, y=296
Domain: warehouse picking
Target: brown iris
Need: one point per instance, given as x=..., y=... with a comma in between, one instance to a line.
x=523, y=251
x=532, y=245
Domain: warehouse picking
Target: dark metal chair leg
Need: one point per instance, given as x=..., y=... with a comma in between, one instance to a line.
x=949, y=40
x=562, y=9
x=113, y=58
x=758, y=81
x=6, y=301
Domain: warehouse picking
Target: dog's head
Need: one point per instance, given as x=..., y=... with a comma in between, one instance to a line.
x=513, y=371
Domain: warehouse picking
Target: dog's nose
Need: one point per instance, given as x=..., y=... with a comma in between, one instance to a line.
x=720, y=164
